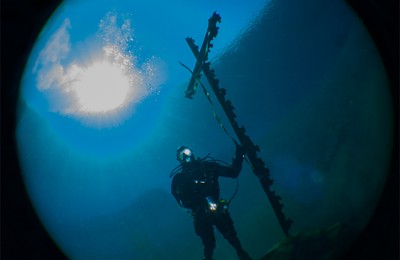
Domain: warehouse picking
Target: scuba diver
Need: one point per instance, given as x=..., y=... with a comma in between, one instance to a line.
x=195, y=187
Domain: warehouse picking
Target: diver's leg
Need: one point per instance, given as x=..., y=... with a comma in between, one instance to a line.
x=225, y=225
x=205, y=231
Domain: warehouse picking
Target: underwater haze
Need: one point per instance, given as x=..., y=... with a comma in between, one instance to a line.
x=102, y=111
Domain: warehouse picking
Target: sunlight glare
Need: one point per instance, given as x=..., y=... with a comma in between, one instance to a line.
x=102, y=87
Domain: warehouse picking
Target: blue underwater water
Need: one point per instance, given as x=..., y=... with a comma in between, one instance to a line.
x=306, y=81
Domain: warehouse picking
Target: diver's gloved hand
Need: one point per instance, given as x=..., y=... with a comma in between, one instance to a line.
x=179, y=202
x=191, y=213
x=240, y=152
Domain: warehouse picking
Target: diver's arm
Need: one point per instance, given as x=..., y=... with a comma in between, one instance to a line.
x=238, y=160
x=174, y=190
x=236, y=166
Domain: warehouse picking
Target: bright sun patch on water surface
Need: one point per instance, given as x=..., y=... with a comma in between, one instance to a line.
x=103, y=87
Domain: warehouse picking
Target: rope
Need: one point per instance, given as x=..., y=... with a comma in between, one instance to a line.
x=212, y=105
x=221, y=125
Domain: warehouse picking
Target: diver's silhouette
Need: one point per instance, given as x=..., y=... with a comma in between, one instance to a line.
x=195, y=186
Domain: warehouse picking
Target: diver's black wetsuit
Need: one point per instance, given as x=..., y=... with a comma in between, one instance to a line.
x=194, y=187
